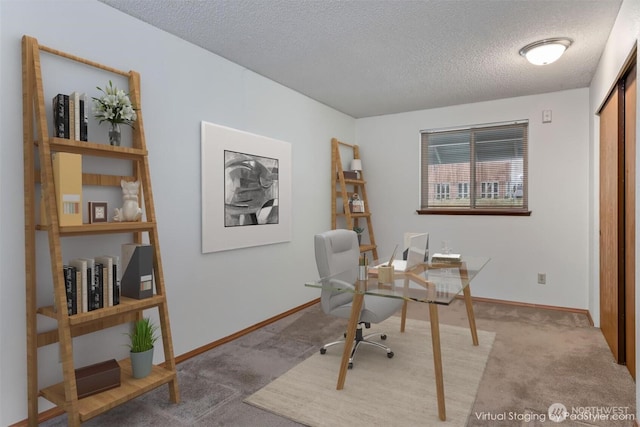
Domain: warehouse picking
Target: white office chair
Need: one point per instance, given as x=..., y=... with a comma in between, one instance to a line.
x=337, y=254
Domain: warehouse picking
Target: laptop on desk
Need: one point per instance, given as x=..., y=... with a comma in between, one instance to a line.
x=417, y=252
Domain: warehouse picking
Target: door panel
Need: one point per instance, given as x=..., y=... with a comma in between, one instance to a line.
x=630, y=220
x=610, y=225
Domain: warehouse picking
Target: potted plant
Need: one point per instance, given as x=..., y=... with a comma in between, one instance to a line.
x=142, y=339
x=359, y=231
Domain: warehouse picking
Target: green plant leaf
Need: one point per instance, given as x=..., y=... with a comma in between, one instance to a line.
x=143, y=336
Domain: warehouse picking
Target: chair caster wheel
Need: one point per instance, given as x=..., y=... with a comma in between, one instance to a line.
x=350, y=366
x=390, y=354
x=383, y=336
x=323, y=350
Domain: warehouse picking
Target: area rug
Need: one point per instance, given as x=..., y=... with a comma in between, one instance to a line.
x=380, y=391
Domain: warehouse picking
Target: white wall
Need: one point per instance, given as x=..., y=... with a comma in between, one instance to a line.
x=622, y=40
x=553, y=240
x=211, y=295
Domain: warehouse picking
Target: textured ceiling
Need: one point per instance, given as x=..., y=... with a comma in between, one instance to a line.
x=373, y=57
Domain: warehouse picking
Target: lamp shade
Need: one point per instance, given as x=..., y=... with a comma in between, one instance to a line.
x=545, y=52
x=356, y=165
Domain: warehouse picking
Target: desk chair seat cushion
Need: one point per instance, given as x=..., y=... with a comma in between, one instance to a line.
x=374, y=309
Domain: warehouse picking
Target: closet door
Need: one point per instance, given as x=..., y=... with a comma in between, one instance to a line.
x=611, y=225
x=630, y=220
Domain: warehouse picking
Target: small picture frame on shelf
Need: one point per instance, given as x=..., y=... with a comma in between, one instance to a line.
x=97, y=212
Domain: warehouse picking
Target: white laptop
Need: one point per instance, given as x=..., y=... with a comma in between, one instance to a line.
x=417, y=252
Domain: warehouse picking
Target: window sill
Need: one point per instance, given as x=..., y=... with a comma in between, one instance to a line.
x=494, y=212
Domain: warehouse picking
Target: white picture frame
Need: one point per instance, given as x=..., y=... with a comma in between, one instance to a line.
x=246, y=189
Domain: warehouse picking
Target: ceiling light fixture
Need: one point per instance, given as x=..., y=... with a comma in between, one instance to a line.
x=545, y=51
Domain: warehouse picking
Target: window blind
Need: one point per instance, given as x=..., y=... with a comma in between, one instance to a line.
x=480, y=167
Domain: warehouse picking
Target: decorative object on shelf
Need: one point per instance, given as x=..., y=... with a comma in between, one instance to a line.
x=115, y=136
x=137, y=271
x=97, y=378
x=130, y=210
x=359, y=231
x=67, y=179
x=141, y=344
x=356, y=166
x=97, y=212
x=114, y=107
x=356, y=205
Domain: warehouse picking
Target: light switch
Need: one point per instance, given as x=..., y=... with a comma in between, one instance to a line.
x=546, y=116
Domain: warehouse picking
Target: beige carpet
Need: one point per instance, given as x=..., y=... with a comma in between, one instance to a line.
x=382, y=391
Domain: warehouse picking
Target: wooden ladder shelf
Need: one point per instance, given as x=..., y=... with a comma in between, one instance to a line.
x=39, y=145
x=343, y=189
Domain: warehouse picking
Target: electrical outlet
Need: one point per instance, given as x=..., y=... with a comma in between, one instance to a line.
x=542, y=278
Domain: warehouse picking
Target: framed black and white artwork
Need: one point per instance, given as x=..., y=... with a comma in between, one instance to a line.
x=246, y=189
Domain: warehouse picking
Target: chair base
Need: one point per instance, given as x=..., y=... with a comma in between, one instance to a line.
x=360, y=339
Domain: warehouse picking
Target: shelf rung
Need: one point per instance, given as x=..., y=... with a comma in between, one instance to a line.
x=96, y=149
x=366, y=248
x=102, y=228
x=354, y=181
x=126, y=305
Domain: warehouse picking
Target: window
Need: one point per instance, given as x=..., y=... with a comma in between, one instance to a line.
x=489, y=190
x=463, y=190
x=442, y=191
x=486, y=163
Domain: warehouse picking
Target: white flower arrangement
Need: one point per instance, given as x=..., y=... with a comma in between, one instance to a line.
x=114, y=106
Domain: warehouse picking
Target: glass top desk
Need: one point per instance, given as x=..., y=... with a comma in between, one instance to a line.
x=434, y=283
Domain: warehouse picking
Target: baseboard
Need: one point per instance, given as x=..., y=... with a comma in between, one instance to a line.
x=236, y=335
x=54, y=412
x=540, y=306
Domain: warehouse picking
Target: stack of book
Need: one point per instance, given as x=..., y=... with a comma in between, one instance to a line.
x=91, y=283
x=446, y=258
x=70, y=118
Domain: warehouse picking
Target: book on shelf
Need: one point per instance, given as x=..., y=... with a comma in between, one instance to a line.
x=67, y=179
x=116, y=279
x=72, y=117
x=84, y=118
x=137, y=271
x=108, y=279
x=60, y=107
x=81, y=267
x=98, y=296
x=93, y=295
x=71, y=289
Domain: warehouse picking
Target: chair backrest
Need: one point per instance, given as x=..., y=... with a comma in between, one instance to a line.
x=337, y=254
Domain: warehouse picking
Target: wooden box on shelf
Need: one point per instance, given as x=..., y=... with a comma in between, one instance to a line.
x=350, y=174
x=98, y=377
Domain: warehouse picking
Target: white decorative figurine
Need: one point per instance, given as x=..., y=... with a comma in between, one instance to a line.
x=130, y=210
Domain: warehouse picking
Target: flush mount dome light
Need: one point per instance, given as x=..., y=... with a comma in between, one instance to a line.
x=546, y=51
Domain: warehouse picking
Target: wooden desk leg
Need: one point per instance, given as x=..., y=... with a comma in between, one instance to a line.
x=437, y=359
x=472, y=317
x=356, y=307
x=404, y=316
